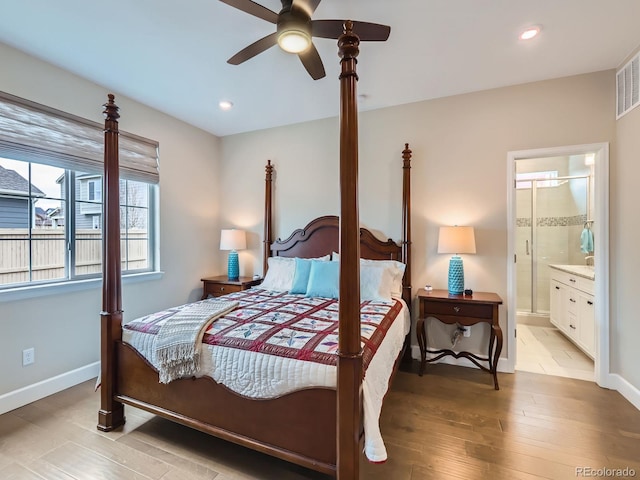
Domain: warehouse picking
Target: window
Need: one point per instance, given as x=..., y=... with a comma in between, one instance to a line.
x=544, y=179
x=51, y=192
x=95, y=189
x=38, y=245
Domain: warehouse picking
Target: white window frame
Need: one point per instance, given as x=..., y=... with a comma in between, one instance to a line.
x=71, y=198
x=76, y=145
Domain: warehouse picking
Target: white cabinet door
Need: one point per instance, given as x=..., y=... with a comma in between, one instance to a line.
x=587, y=324
x=558, y=309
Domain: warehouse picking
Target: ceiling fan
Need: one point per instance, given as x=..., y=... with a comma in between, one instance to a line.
x=294, y=29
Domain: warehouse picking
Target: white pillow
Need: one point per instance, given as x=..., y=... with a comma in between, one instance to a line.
x=375, y=283
x=279, y=275
x=280, y=272
x=396, y=269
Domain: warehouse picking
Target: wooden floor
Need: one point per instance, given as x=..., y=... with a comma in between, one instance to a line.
x=448, y=424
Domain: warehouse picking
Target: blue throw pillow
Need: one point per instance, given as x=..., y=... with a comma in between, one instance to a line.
x=301, y=275
x=323, y=279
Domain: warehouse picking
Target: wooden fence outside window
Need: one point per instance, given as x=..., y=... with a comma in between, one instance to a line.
x=49, y=251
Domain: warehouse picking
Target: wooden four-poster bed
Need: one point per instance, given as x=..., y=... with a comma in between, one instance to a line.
x=319, y=428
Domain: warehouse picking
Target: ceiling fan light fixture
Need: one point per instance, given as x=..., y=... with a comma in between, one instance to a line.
x=294, y=41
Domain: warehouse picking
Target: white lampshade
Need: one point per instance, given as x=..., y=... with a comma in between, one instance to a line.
x=232, y=239
x=456, y=240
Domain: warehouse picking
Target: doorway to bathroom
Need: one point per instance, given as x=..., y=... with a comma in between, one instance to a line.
x=553, y=208
x=556, y=301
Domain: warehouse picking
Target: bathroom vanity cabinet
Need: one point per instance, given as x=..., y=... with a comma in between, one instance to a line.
x=572, y=304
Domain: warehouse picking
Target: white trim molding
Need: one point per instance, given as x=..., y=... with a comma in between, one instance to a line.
x=601, y=232
x=627, y=390
x=57, y=288
x=31, y=393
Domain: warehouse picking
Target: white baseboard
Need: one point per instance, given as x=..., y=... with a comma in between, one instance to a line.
x=31, y=393
x=613, y=381
x=627, y=390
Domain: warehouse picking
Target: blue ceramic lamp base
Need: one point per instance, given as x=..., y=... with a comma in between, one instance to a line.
x=456, y=276
x=233, y=267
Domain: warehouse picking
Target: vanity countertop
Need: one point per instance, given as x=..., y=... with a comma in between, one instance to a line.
x=585, y=271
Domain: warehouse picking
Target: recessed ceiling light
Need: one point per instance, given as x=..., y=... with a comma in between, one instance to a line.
x=225, y=105
x=530, y=33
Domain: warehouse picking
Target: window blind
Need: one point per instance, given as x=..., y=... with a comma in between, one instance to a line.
x=33, y=132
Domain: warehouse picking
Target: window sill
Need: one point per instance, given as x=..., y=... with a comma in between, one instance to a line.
x=32, y=291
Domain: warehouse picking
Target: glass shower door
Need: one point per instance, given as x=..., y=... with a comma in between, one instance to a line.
x=560, y=210
x=523, y=246
x=550, y=238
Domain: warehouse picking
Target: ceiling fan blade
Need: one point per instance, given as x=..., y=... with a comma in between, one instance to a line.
x=368, y=32
x=254, y=9
x=254, y=49
x=307, y=5
x=312, y=62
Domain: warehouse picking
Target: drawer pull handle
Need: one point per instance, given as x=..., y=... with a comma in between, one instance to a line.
x=572, y=326
x=589, y=302
x=572, y=280
x=456, y=309
x=222, y=289
x=557, y=287
x=572, y=300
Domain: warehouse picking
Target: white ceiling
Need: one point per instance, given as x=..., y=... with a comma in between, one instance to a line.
x=171, y=55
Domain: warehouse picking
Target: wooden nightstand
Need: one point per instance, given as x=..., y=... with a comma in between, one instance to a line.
x=465, y=310
x=221, y=285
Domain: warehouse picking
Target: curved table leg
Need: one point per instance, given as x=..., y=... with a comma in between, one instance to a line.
x=422, y=342
x=497, y=331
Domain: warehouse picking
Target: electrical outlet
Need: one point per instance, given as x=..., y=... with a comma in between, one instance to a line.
x=28, y=356
x=467, y=332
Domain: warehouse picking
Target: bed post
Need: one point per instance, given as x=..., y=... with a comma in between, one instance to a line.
x=406, y=239
x=111, y=414
x=268, y=220
x=349, y=401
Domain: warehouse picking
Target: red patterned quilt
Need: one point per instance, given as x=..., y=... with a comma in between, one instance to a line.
x=286, y=325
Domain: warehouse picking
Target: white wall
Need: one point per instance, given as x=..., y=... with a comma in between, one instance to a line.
x=64, y=329
x=460, y=147
x=625, y=252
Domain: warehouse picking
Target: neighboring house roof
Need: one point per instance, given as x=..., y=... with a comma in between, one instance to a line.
x=42, y=219
x=12, y=181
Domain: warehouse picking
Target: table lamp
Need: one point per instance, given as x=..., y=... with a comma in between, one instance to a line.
x=456, y=240
x=233, y=240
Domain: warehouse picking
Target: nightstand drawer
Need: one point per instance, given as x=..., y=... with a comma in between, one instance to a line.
x=461, y=309
x=216, y=290
x=221, y=285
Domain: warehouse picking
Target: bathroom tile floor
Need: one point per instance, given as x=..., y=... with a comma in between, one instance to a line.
x=546, y=350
